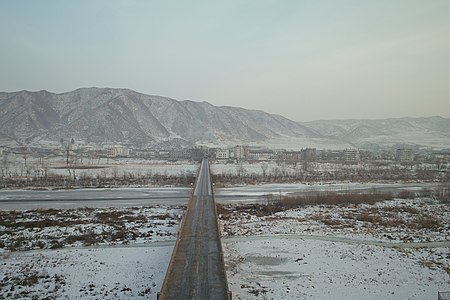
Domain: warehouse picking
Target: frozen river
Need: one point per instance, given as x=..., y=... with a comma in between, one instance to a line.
x=128, y=197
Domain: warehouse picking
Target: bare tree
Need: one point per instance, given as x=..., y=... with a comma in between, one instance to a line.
x=5, y=164
x=240, y=169
x=264, y=167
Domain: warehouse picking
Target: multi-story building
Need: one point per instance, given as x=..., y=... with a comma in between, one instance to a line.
x=182, y=153
x=350, y=155
x=308, y=154
x=404, y=155
x=290, y=156
x=240, y=152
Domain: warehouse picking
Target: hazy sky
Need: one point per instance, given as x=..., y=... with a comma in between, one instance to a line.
x=305, y=60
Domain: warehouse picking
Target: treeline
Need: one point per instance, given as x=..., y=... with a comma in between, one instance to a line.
x=312, y=175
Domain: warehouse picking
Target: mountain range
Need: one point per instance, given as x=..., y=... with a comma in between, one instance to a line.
x=106, y=116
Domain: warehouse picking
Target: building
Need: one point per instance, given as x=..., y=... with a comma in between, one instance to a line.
x=240, y=152
x=350, y=155
x=163, y=154
x=290, y=156
x=197, y=154
x=404, y=155
x=118, y=151
x=308, y=154
x=183, y=153
x=260, y=154
x=330, y=155
x=442, y=156
x=223, y=154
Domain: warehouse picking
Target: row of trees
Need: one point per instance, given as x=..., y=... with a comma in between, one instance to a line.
x=317, y=172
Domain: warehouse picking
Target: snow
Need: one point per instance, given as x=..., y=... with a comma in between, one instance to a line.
x=397, y=220
x=313, y=252
x=118, y=272
x=282, y=268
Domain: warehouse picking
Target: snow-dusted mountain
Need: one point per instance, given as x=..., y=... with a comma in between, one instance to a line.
x=104, y=115
x=429, y=132
x=108, y=116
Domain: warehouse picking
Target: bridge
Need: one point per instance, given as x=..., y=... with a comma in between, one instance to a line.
x=196, y=269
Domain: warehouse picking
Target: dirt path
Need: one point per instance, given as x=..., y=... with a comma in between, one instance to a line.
x=436, y=244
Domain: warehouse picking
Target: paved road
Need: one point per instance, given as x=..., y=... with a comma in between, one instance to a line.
x=196, y=270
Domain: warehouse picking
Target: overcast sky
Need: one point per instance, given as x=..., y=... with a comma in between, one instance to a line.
x=305, y=60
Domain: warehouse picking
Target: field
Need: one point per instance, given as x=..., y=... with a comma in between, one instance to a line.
x=386, y=249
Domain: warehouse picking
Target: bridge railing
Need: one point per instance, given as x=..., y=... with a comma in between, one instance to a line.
x=220, y=233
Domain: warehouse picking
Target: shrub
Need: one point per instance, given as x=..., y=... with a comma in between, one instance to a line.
x=406, y=195
x=427, y=222
x=334, y=199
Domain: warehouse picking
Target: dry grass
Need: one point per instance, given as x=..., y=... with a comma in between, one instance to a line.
x=425, y=221
x=84, y=226
x=406, y=195
x=333, y=198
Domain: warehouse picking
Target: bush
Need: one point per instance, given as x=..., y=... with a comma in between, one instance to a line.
x=406, y=195
x=427, y=222
x=334, y=199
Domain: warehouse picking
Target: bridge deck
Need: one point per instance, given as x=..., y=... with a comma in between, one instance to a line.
x=196, y=270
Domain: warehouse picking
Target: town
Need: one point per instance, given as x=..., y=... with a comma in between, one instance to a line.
x=78, y=165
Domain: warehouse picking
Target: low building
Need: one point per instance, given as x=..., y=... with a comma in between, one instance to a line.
x=118, y=151
x=442, y=156
x=223, y=154
x=163, y=154
x=260, y=154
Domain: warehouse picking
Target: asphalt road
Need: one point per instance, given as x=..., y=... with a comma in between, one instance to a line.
x=196, y=270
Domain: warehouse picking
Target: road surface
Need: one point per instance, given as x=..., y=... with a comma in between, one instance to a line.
x=196, y=270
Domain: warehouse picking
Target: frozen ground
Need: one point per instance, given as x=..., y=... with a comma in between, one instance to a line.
x=276, y=267
x=115, y=272
x=398, y=220
x=86, y=253
x=397, y=249
x=315, y=252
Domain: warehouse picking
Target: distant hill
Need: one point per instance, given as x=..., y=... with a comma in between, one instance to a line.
x=105, y=116
x=430, y=131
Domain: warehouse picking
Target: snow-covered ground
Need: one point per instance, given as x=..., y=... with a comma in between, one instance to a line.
x=398, y=220
x=104, y=167
x=397, y=249
x=115, y=272
x=101, y=253
x=276, y=267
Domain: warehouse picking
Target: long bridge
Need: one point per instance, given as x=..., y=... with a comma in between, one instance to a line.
x=196, y=269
